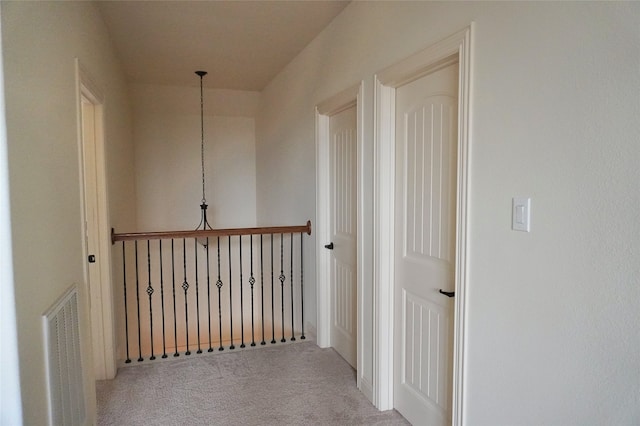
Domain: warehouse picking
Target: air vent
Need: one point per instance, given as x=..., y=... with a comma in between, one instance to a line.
x=64, y=364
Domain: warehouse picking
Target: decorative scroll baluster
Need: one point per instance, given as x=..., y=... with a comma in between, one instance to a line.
x=302, y=337
x=150, y=293
x=282, y=279
x=262, y=288
x=126, y=314
x=242, y=345
x=138, y=305
x=173, y=291
x=185, y=287
x=164, y=343
x=146, y=329
x=293, y=337
x=208, y=295
x=273, y=321
x=219, y=285
x=230, y=298
x=252, y=281
x=195, y=251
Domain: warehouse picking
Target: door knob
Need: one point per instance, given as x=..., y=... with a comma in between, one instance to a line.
x=329, y=246
x=447, y=293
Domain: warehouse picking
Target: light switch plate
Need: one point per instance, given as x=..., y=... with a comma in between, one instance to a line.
x=521, y=214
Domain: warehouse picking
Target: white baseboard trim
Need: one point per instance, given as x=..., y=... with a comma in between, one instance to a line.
x=366, y=388
x=310, y=332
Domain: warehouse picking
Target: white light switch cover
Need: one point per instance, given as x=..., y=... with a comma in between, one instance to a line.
x=521, y=214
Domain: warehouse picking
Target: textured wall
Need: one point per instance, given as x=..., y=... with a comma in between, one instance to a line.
x=41, y=42
x=168, y=161
x=552, y=314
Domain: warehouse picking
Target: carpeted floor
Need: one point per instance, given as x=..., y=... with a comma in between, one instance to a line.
x=294, y=384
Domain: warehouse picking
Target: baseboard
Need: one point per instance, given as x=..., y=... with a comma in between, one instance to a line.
x=311, y=332
x=366, y=388
x=193, y=350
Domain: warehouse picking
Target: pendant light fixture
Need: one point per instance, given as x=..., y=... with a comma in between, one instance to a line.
x=204, y=223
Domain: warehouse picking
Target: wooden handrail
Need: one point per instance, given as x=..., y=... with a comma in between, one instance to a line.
x=210, y=233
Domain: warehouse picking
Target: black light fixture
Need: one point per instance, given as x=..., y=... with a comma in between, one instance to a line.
x=204, y=223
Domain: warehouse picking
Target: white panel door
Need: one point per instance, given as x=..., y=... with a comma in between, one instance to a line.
x=425, y=212
x=342, y=133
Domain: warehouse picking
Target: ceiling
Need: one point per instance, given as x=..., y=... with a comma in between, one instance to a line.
x=241, y=44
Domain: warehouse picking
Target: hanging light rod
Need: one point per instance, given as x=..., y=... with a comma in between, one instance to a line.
x=204, y=223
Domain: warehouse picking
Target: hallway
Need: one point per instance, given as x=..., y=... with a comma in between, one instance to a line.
x=291, y=384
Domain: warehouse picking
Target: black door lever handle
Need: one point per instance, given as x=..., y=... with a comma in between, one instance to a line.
x=329, y=246
x=447, y=293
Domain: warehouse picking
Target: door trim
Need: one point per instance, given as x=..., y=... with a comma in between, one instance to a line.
x=324, y=110
x=102, y=317
x=457, y=46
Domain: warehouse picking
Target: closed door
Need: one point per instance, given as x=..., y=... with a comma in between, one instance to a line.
x=92, y=227
x=342, y=132
x=425, y=212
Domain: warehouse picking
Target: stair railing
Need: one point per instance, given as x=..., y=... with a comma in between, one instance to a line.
x=206, y=289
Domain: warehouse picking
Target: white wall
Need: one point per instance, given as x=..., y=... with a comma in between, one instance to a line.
x=41, y=41
x=10, y=401
x=168, y=161
x=552, y=315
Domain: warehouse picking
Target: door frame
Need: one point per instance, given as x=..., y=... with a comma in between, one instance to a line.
x=418, y=65
x=324, y=110
x=101, y=317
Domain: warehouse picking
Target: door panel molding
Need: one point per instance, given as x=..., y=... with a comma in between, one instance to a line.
x=418, y=313
x=457, y=47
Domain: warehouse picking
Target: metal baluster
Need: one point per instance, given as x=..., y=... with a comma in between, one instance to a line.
x=150, y=293
x=262, y=289
x=241, y=296
x=219, y=285
x=293, y=337
x=282, y=278
x=273, y=329
x=302, y=286
x=252, y=281
x=195, y=251
x=185, y=287
x=208, y=295
x=138, y=303
x=126, y=315
x=173, y=291
x=230, y=298
x=164, y=342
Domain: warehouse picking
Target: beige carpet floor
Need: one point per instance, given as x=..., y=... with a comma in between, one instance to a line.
x=292, y=384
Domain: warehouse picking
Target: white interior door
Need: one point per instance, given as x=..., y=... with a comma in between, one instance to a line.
x=425, y=212
x=97, y=239
x=91, y=226
x=342, y=132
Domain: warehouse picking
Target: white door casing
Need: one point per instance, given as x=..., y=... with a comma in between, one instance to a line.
x=324, y=110
x=343, y=134
x=455, y=47
x=426, y=138
x=96, y=225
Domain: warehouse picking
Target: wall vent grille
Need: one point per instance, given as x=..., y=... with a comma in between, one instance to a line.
x=64, y=364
